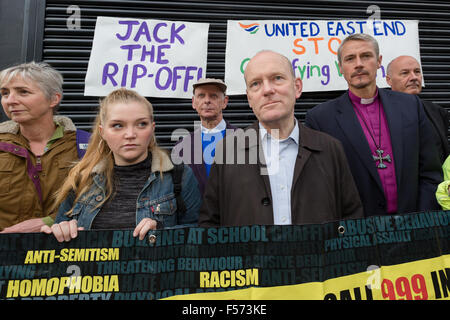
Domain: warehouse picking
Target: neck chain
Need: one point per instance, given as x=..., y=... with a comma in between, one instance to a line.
x=378, y=152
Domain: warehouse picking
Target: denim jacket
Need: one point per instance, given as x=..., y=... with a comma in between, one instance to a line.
x=156, y=200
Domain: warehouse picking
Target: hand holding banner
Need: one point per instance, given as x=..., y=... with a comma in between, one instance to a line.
x=380, y=257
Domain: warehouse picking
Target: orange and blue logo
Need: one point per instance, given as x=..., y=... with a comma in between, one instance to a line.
x=251, y=28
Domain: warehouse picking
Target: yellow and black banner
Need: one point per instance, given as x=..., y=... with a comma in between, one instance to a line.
x=402, y=257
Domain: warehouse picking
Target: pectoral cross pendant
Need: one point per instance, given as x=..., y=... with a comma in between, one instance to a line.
x=379, y=157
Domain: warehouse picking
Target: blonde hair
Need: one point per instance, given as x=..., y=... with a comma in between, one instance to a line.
x=80, y=177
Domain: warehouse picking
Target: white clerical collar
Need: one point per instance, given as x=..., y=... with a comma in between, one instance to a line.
x=220, y=127
x=362, y=101
x=367, y=101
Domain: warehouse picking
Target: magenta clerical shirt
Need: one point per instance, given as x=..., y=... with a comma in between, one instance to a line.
x=376, y=122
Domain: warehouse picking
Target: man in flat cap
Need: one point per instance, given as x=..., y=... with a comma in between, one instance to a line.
x=198, y=149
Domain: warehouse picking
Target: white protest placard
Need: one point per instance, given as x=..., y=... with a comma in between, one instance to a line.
x=311, y=46
x=156, y=58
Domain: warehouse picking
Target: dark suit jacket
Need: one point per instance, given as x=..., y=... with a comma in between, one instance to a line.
x=323, y=189
x=438, y=117
x=417, y=168
x=197, y=163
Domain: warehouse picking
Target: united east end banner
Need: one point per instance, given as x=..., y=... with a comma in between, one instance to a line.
x=312, y=46
x=154, y=57
x=402, y=257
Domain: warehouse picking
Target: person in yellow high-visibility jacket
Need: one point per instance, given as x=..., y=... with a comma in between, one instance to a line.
x=443, y=190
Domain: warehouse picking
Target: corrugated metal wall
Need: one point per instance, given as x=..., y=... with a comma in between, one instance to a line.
x=69, y=50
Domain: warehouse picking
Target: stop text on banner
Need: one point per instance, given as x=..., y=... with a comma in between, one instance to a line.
x=312, y=47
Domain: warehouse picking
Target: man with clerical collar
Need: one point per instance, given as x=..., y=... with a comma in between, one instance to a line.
x=385, y=134
x=198, y=148
x=277, y=171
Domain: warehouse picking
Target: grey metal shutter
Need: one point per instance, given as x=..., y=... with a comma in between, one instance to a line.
x=69, y=50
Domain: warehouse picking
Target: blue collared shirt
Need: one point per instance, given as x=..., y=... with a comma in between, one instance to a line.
x=280, y=156
x=210, y=138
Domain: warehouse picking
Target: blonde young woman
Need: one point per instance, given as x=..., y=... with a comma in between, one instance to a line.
x=124, y=180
